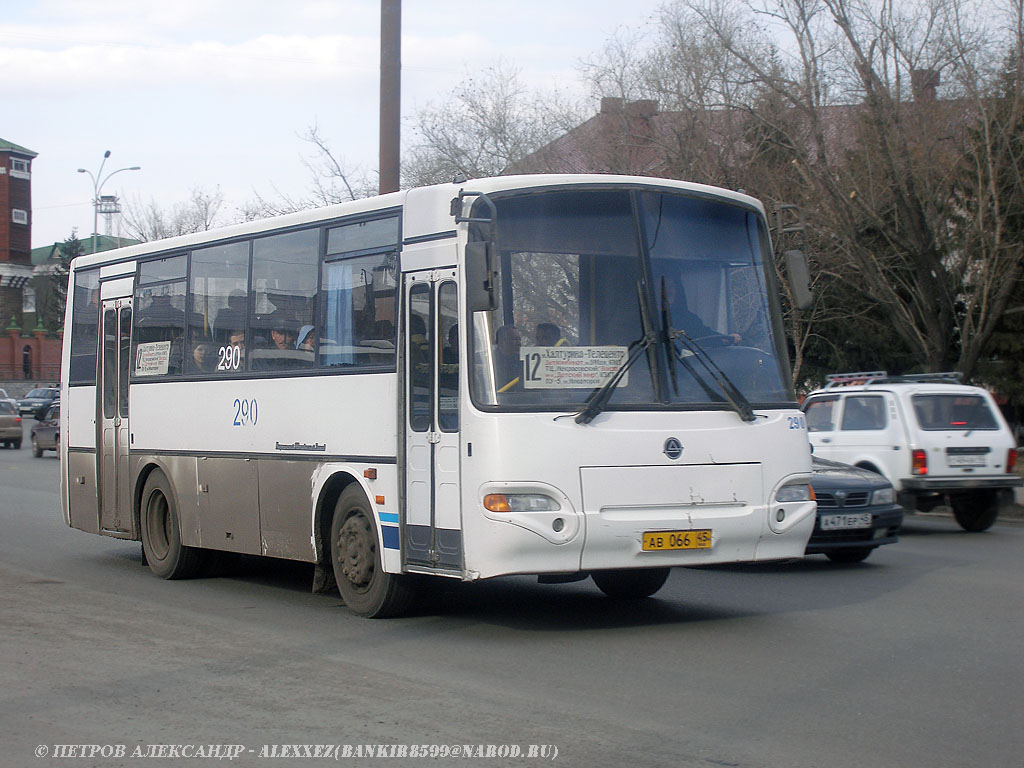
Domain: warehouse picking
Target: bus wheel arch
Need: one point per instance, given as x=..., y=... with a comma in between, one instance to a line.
x=140, y=487
x=323, y=577
x=356, y=559
x=160, y=530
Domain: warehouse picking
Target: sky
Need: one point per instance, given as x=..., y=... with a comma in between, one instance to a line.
x=216, y=94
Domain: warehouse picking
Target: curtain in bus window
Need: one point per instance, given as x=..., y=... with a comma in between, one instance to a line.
x=84, y=325
x=284, y=283
x=339, y=349
x=218, y=295
x=359, y=307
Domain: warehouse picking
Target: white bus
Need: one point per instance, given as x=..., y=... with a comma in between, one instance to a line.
x=553, y=375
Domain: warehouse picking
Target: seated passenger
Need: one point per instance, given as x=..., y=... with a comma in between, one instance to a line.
x=549, y=335
x=689, y=322
x=508, y=367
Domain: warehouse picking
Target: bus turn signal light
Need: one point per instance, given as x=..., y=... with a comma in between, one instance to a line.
x=497, y=502
x=1011, y=460
x=520, y=502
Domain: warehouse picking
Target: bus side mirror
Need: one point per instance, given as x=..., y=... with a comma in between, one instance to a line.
x=799, y=275
x=480, y=277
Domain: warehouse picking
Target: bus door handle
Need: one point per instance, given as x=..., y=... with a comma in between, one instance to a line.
x=826, y=439
x=433, y=437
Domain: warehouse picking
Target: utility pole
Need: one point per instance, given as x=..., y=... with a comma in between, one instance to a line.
x=390, y=93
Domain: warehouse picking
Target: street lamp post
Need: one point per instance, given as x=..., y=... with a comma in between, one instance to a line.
x=97, y=185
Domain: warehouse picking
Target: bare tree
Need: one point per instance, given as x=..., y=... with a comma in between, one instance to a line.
x=835, y=104
x=332, y=180
x=490, y=120
x=148, y=221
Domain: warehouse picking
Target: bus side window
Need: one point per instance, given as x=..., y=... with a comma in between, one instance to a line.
x=284, y=280
x=219, y=296
x=421, y=378
x=448, y=352
x=159, y=317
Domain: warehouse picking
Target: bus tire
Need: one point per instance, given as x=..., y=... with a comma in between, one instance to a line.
x=355, y=556
x=630, y=584
x=849, y=555
x=166, y=556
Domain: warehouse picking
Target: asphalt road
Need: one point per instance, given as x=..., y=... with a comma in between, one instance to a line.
x=910, y=659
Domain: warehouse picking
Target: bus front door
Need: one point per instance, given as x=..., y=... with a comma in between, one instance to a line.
x=433, y=520
x=112, y=417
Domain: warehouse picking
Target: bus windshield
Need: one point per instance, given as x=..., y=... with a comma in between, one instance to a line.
x=588, y=275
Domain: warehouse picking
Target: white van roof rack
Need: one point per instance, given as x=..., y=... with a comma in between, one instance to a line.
x=881, y=377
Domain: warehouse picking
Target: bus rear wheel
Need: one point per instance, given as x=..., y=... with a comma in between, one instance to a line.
x=630, y=584
x=355, y=556
x=166, y=556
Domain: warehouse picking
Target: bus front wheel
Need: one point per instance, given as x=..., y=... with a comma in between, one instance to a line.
x=166, y=556
x=364, y=585
x=630, y=584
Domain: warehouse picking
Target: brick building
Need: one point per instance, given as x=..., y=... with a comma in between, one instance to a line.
x=28, y=353
x=15, y=227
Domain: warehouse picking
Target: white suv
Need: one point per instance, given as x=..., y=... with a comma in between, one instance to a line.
x=934, y=439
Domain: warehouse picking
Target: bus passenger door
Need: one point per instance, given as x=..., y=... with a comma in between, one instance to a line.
x=115, y=356
x=433, y=520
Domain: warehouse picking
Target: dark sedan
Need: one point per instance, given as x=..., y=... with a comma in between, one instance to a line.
x=857, y=512
x=38, y=400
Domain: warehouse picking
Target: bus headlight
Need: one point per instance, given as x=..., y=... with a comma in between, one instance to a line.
x=520, y=502
x=795, y=492
x=884, y=496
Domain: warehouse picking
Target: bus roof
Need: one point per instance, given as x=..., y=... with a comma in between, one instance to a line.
x=440, y=220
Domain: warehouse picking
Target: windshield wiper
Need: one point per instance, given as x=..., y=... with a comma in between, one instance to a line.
x=729, y=393
x=599, y=397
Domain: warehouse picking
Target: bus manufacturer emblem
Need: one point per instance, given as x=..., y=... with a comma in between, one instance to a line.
x=673, y=448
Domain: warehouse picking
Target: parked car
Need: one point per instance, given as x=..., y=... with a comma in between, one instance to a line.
x=936, y=440
x=4, y=397
x=38, y=400
x=10, y=424
x=46, y=432
x=857, y=512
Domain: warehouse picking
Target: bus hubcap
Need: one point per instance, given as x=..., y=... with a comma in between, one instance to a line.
x=355, y=551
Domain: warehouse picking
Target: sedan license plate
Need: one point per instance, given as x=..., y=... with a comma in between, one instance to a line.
x=843, y=522
x=655, y=541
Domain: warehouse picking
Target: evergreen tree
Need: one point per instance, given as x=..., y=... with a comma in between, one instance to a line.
x=53, y=289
